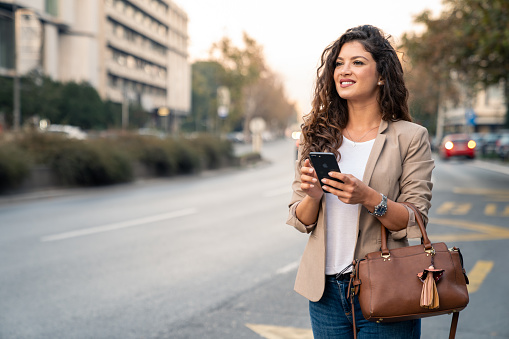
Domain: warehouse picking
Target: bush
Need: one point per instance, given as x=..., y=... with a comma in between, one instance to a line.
x=216, y=153
x=89, y=164
x=160, y=159
x=187, y=158
x=110, y=160
x=15, y=166
x=41, y=146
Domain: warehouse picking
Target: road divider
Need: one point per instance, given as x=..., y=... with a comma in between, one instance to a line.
x=119, y=225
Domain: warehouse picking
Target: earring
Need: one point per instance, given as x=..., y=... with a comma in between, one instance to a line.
x=379, y=83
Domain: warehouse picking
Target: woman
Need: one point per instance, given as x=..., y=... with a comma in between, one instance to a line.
x=360, y=114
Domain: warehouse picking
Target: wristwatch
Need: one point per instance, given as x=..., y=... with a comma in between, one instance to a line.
x=381, y=208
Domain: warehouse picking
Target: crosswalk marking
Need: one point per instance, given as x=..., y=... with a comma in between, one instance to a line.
x=454, y=208
x=490, y=194
x=445, y=207
x=490, y=209
x=281, y=332
x=481, y=231
x=478, y=274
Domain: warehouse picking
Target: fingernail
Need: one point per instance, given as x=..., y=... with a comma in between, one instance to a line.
x=314, y=180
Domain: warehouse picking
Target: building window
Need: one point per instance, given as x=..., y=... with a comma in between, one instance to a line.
x=7, y=43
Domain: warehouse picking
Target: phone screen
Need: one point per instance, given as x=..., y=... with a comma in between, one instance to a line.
x=323, y=163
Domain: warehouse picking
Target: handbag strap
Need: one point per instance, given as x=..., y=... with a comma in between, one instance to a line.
x=454, y=324
x=418, y=218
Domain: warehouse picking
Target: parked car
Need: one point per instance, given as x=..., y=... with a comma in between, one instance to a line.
x=457, y=145
x=68, y=131
x=502, y=146
x=489, y=142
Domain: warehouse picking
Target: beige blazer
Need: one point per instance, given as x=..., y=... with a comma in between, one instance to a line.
x=399, y=166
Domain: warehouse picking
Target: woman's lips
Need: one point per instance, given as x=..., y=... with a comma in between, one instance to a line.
x=346, y=83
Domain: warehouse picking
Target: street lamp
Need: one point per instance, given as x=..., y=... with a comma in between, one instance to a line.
x=16, y=96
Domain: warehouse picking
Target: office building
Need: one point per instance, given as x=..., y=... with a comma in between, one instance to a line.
x=133, y=50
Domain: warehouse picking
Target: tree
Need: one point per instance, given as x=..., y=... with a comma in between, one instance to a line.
x=243, y=67
x=81, y=106
x=207, y=76
x=427, y=73
x=255, y=90
x=468, y=42
x=266, y=99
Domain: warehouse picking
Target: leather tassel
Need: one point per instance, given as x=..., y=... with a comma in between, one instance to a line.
x=429, y=294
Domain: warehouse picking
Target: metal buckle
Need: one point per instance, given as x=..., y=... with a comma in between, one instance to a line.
x=431, y=251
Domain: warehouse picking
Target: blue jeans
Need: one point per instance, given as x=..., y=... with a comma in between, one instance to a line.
x=331, y=318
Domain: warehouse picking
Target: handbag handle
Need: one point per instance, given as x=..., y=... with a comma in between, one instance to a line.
x=425, y=240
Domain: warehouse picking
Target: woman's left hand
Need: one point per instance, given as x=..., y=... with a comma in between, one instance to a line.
x=351, y=191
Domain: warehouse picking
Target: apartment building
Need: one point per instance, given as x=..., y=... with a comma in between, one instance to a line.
x=133, y=50
x=483, y=112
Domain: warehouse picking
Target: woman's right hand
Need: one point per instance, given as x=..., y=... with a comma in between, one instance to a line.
x=309, y=181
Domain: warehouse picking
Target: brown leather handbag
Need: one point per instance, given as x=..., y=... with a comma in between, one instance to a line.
x=410, y=282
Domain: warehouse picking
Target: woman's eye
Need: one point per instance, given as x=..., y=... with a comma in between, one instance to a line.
x=357, y=62
x=339, y=64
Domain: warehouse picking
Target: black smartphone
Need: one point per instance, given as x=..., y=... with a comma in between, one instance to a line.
x=323, y=163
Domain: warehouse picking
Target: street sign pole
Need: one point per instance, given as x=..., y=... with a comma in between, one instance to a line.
x=16, y=97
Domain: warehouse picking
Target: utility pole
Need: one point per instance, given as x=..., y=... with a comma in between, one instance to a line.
x=125, y=110
x=16, y=96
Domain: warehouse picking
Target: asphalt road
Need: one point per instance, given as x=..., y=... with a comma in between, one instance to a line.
x=210, y=256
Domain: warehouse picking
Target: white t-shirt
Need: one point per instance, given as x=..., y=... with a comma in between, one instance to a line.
x=341, y=219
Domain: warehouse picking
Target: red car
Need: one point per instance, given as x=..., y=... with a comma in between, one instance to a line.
x=457, y=145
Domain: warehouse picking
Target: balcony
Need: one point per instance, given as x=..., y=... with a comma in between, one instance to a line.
x=115, y=95
x=150, y=10
x=128, y=22
x=134, y=74
x=134, y=49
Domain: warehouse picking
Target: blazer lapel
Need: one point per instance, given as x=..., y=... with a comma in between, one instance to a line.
x=375, y=152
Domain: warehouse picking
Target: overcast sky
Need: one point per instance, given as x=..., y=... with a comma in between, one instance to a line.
x=294, y=33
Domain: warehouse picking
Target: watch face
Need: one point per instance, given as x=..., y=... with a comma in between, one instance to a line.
x=382, y=207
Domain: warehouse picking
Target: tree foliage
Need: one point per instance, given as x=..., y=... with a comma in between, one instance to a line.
x=207, y=76
x=255, y=91
x=467, y=43
x=71, y=103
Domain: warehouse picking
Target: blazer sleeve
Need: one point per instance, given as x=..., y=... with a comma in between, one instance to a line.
x=415, y=181
x=297, y=197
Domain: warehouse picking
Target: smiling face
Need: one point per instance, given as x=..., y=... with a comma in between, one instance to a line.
x=355, y=75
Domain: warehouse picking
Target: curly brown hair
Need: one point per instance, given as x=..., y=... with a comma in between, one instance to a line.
x=323, y=126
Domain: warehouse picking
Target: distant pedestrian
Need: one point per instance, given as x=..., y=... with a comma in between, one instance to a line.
x=359, y=113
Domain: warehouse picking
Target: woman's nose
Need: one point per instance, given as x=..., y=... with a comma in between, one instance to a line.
x=345, y=70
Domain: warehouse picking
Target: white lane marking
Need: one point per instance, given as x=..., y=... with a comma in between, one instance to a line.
x=279, y=191
x=288, y=268
x=119, y=225
x=491, y=166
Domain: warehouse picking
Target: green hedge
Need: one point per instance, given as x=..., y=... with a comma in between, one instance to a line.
x=109, y=160
x=90, y=164
x=15, y=166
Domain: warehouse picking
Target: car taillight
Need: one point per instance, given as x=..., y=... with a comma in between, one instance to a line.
x=471, y=144
x=449, y=145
